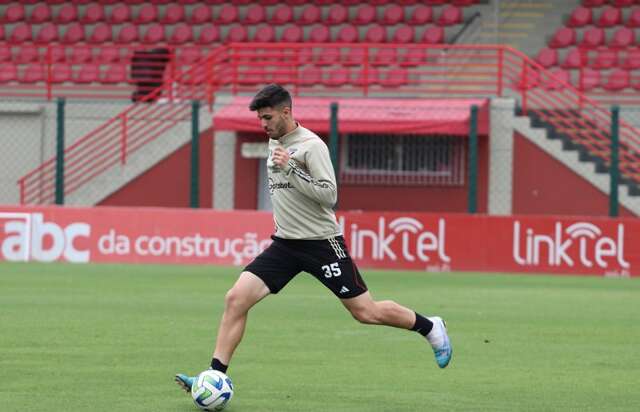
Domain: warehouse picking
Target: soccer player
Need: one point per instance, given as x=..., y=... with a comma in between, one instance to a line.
x=307, y=238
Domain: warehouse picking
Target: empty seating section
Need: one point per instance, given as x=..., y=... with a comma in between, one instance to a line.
x=598, y=48
x=92, y=42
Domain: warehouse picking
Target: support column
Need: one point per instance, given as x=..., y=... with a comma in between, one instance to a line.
x=224, y=162
x=501, y=156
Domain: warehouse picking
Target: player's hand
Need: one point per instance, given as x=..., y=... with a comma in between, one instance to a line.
x=280, y=157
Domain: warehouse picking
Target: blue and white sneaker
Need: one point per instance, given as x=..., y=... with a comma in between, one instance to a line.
x=185, y=382
x=439, y=341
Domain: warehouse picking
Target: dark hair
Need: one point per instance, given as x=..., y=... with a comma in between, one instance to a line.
x=272, y=95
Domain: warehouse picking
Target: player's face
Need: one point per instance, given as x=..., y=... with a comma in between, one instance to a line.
x=274, y=121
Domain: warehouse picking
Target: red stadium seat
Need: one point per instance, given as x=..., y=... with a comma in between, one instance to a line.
x=319, y=34
x=354, y=57
x=558, y=80
x=589, y=79
x=337, y=14
x=291, y=34
x=420, y=15
x=67, y=13
x=27, y=53
x=236, y=33
x=60, y=73
x=227, y=14
x=5, y=53
x=182, y=33
x=327, y=57
x=573, y=59
x=39, y=14
x=33, y=73
x=254, y=14
x=385, y=57
x=563, y=37
x=281, y=15
x=433, y=35
x=108, y=54
x=594, y=3
x=154, y=34
x=47, y=33
x=580, y=17
x=120, y=13
x=21, y=33
x=172, y=14
x=13, y=13
x=310, y=14
x=617, y=80
x=393, y=14
x=128, y=34
x=547, y=57
x=199, y=14
x=310, y=76
x=622, y=3
x=93, y=13
x=605, y=59
x=264, y=33
x=81, y=53
x=449, y=16
x=347, y=34
x=413, y=57
x=147, y=13
x=89, y=73
x=631, y=60
x=593, y=37
x=337, y=77
x=116, y=73
x=609, y=17
x=394, y=78
x=633, y=20
x=190, y=55
x=74, y=34
x=8, y=72
x=365, y=14
x=369, y=78
x=375, y=34
x=404, y=34
x=208, y=34
x=55, y=54
x=623, y=37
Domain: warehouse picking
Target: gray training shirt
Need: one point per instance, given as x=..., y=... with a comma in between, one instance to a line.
x=304, y=192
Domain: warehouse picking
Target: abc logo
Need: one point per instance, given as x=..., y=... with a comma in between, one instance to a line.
x=46, y=242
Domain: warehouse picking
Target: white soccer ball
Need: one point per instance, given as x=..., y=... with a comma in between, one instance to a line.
x=212, y=390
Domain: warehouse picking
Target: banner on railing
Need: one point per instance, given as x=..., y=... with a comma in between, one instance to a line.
x=416, y=241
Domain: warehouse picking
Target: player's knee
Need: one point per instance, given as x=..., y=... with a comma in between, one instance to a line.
x=234, y=300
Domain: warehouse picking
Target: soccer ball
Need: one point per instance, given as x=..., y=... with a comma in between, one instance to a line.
x=212, y=390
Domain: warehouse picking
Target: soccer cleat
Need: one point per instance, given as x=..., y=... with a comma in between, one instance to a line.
x=185, y=382
x=439, y=341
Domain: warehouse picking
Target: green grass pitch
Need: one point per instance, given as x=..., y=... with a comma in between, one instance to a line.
x=111, y=337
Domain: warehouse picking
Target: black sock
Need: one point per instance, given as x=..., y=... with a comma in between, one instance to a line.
x=216, y=365
x=423, y=325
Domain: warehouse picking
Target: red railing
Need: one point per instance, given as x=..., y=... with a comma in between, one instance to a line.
x=375, y=70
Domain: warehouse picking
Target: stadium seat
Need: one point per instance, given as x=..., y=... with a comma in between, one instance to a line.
x=420, y=15
x=393, y=14
x=336, y=77
x=337, y=14
x=291, y=34
x=449, y=16
x=200, y=14
x=404, y=34
x=116, y=73
x=563, y=37
x=594, y=3
x=26, y=53
x=5, y=52
x=347, y=34
x=589, y=79
x=365, y=14
x=128, y=34
x=547, y=57
x=623, y=37
x=631, y=61
x=227, y=14
x=310, y=14
x=580, y=17
x=327, y=57
x=573, y=59
x=264, y=33
x=107, y=54
x=182, y=33
x=13, y=13
x=120, y=13
x=80, y=53
x=236, y=33
x=153, y=34
x=208, y=34
x=55, y=53
x=74, y=34
x=433, y=35
x=385, y=57
x=354, y=56
x=67, y=13
x=39, y=14
x=254, y=14
x=617, y=80
x=604, y=59
x=412, y=57
x=394, y=78
x=21, y=33
x=172, y=14
x=610, y=17
x=622, y=3
x=282, y=14
x=319, y=34
x=592, y=37
x=88, y=73
x=190, y=55
x=375, y=34
x=33, y=73
x=147, y=13
x=8, y=72
x=558, y=80
x=310, y=76
x=47, y=33
x=93, y=13
x=366, y=79
x=633, y=20
x=60, y=73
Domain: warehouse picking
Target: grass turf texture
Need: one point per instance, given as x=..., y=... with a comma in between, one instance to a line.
x=111, y=337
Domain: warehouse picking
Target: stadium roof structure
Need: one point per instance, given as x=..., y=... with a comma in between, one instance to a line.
x=398, y=116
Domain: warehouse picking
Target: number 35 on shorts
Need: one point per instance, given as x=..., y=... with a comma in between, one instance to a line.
x=331, y=270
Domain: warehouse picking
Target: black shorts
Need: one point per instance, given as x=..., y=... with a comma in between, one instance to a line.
x=327, y=260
